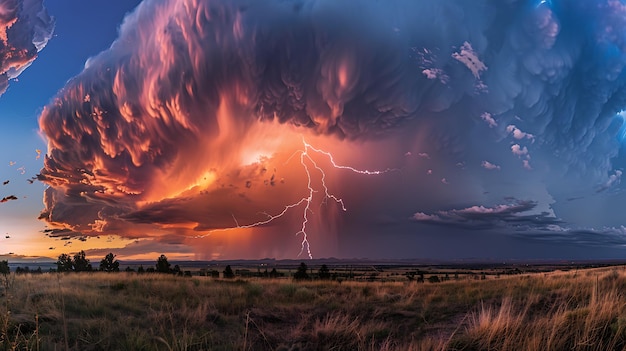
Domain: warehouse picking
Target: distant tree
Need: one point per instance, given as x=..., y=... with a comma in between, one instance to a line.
x=128, y=269
x=109, y=263
x=434, y=279
x=228, y=272
x=20, y=270
x=324, y=272
x=274, y=273
x=64, y=263
x=150, y=270
x=177, y=270
x=4, y=267
x=301, y=273
x=81, y=263
x=162, y=266
x=140, y=269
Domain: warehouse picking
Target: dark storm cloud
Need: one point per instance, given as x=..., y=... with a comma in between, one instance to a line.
x=508, y=216
x=61, y=233
x=603, y=237
x=520, y=220
x=25, y=28
x=529, y=86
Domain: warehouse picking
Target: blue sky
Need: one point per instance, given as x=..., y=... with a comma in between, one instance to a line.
x=83, y=29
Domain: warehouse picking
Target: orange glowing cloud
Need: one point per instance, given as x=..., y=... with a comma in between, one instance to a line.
x=194, y=122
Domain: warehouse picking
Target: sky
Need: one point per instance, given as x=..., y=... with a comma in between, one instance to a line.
x=314, y=128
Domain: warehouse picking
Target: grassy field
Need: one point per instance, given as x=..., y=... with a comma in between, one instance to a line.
x=575, y=310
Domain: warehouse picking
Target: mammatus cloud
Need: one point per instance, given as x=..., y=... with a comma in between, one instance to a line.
x=25, y=28
x=189, y=123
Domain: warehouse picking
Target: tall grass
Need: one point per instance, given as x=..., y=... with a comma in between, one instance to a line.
x=98, y=311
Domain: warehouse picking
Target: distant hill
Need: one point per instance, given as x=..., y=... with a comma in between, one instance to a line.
x=21, y=259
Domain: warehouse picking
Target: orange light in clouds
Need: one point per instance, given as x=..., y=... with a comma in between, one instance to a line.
x=202, y=183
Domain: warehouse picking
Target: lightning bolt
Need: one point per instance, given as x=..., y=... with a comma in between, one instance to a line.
x=308, y=164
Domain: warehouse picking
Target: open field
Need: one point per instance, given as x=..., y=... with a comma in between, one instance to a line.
x=560, y=310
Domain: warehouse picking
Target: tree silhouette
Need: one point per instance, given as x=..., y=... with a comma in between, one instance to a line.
x=109, y=263
x=301, y=273
x=434, y=279
x=81, y=263
x=162, y=266
x=274, y=273
x=64, y=263
x=4, y=267
x=324, y=272
x=228, y=272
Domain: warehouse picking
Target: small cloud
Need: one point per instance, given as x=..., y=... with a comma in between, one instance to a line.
x=427, y=61
x=555, y=228
x=429, y=172
x=436, y=73
x=518, y=133
x=526, y=165
x=444, y=181
x=490, y=166
x=469, y=58
x=489, y=119
x=421, y=216
x=518, y=150
x=424, y=155
x=408, y=154
x=614, y=179
x=8, y=198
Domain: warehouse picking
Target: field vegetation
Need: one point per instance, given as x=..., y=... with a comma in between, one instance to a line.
x=574, y=310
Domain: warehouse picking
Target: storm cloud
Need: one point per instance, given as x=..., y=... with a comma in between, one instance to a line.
x=190, y=120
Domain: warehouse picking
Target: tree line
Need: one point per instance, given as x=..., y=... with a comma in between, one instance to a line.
x=80, y=263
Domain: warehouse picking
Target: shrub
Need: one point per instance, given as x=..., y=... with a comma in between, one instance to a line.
x=301, y=273
x=324, y=272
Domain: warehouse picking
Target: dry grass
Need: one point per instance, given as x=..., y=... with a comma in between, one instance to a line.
x=98, y=311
